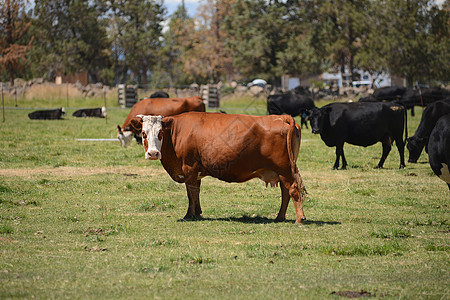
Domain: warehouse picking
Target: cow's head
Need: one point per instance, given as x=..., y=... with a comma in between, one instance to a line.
x=152, y=135
x=317, y=116
x=124, y=137
x=63, y=112
x=415, y=146
x=104, y=114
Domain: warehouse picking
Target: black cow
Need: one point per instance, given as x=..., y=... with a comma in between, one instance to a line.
x=439, y=149
x=159, y=94
x=50, y=114
x=423, y=97
x=430, y=115
x=291, y=104
x=389, y=93
x=361, y=124
x=90, y=112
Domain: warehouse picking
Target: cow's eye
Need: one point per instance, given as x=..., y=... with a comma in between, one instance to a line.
x=144, y=135
x=160, y=135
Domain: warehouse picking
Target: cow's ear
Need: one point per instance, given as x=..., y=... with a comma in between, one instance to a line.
x=167, y=122
x=119, y=129
x=332, y=117
x=136, y=125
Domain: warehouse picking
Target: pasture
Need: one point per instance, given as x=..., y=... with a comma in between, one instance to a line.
x=92, y=220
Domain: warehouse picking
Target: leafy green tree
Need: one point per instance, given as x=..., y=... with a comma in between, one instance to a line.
x=344, y=27
x=170, y=67
x=135, y=31
x=69, y=38
x=258, y=35
x=14, y=39
x=409, y=38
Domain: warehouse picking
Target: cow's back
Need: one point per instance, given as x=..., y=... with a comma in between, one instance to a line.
x=164, y=107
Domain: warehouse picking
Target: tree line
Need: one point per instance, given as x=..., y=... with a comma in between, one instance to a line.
x=136, y=41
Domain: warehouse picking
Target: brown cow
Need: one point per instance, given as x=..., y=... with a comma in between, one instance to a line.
x=232, y=148
x=156, y=106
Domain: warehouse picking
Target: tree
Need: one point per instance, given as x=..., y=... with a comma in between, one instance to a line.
x=135, y=31
x=202, y=42
x=170, y=65
x=257, y=30
x=70, y=38
x=14, y=41
x=344, y=27
x=415, y=39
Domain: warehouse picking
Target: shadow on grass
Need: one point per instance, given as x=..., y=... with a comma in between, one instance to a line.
x=260, y=220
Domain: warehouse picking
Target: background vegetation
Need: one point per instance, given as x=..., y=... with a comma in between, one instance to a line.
x=93, y=220
x=137, y=42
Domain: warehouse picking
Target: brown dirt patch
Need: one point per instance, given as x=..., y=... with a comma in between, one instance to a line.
x=85, y=171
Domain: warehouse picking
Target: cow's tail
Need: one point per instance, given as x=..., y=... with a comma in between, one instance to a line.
x=406, y=123
x=294, y=169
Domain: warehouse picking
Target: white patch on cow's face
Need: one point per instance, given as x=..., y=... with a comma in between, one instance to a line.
x=125, y=138
x=445, y=173
x=104, y=114
x=152, y=136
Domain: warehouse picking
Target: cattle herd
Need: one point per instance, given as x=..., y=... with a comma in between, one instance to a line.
x=192, y=144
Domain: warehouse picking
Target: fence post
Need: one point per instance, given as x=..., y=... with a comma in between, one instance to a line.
x=3, y=104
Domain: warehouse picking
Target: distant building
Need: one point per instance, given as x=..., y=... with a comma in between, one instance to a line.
x=363, y=78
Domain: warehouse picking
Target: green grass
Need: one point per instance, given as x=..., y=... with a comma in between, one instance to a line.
x=91, y=220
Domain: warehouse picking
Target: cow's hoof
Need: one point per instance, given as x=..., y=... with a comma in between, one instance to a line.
x=301, y=220
x=402, y=166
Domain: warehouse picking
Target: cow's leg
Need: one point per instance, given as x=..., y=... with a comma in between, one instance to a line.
x=386, y=149
x=193, y=192
x=401, y=150
x=303, y=121
x=284, y=203
x=340, y=153
x=292, y=186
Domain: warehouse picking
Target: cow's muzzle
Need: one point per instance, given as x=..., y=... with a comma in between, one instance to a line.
x=315, y=131
x=153, y=155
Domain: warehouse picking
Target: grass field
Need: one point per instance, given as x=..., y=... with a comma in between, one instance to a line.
x=92, y=220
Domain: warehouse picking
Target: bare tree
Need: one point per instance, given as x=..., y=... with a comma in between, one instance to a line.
x=14, y=43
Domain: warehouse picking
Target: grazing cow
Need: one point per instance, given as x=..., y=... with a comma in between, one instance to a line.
x=439, y=149
x=159, y=94
x=156, y=106
x=90, y=112
x=388, y=93
x=50, y=114
x=423, y=97
x=232, y=148
x=361, y=124
x=419, y=140
x=291, y=104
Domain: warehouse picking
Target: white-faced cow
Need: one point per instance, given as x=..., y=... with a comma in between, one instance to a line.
x=430, y=115
x=439, y=149
x=291, y=104
x=49, y=114
x=90, y=112
x=361, y=124
x=156, y=106
x=232, y=148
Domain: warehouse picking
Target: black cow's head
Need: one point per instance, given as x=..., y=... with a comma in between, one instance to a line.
x=317, y=116
x=415, y=146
